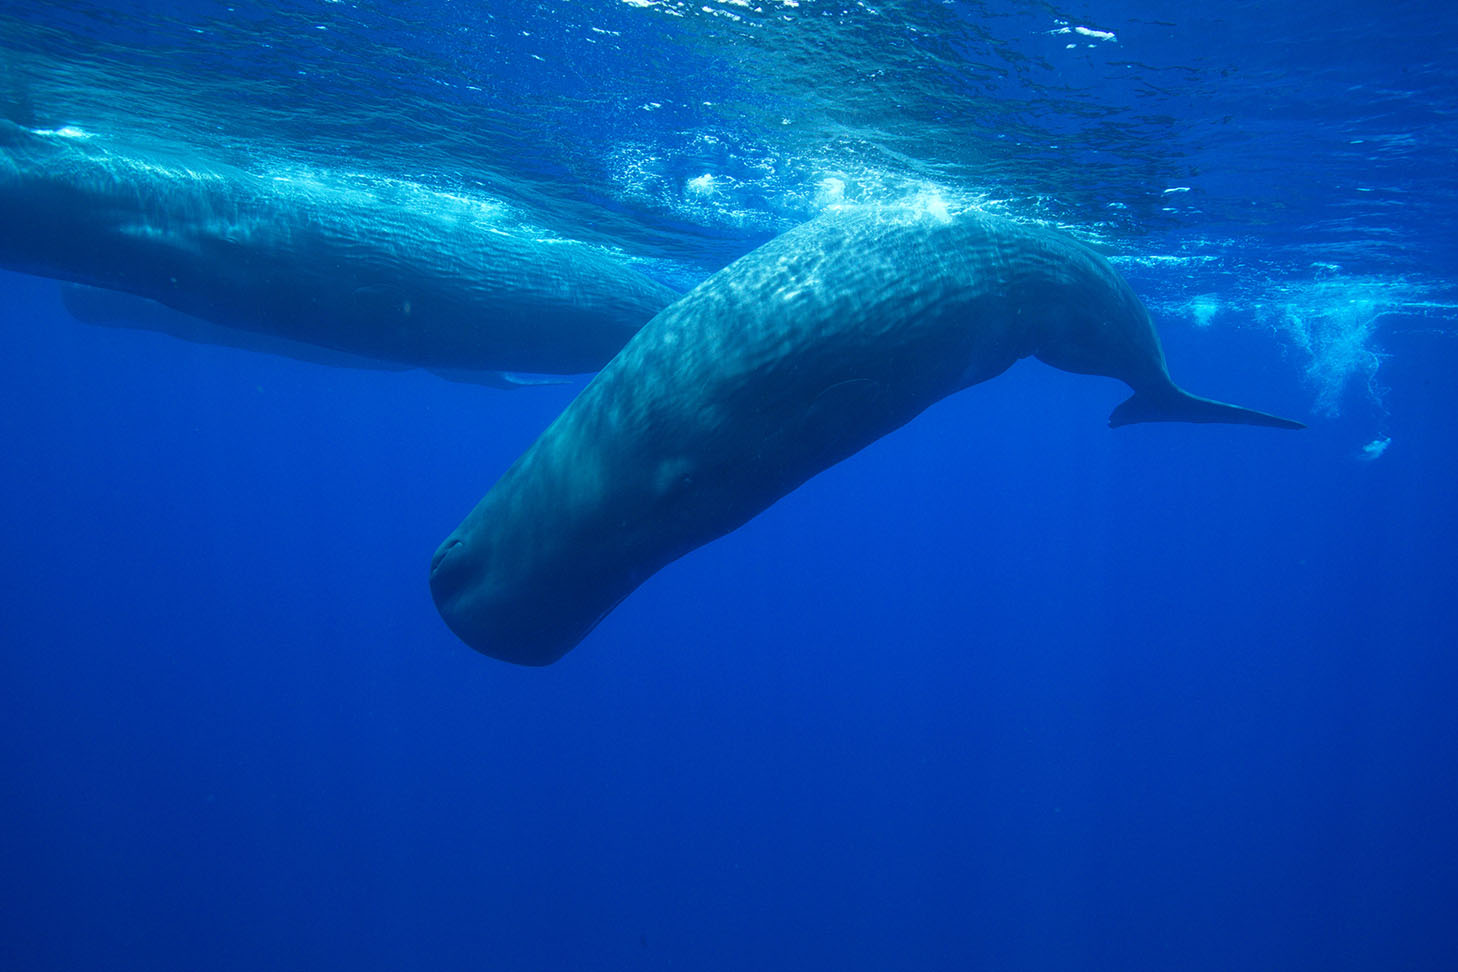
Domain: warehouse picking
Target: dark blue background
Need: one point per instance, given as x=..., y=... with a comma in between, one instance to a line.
x=1006, y=690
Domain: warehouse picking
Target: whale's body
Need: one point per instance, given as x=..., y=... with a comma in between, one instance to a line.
x=787, y=361
x=116, y=308
x=380, y=269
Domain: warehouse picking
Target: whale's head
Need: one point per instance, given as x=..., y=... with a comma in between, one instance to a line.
x=470, y=595
x=509, y=601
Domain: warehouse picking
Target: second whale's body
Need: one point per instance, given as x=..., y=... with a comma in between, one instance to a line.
x=787, y=361
x=381, y=269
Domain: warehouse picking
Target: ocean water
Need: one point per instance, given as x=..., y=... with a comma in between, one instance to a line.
x=1006, y=690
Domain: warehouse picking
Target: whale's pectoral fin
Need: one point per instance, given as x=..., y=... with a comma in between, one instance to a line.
x=828, y=428
x=844, y=404
x=1176, y=405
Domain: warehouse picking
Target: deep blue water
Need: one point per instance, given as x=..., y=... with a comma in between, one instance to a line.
x=1006, y=690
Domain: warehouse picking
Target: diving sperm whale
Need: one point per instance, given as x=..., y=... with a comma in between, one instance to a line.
x=381, y=269
x=782, y=364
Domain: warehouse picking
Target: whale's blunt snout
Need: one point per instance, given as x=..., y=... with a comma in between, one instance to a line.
x=468, y=597
x=493, y=616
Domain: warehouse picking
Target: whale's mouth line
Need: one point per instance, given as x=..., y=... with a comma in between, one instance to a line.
x=441, y=555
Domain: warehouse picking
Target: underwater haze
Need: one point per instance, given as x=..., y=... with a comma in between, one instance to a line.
x=1006, y=690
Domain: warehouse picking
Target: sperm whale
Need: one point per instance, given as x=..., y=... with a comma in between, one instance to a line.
x=787, y=361
x=382, y=269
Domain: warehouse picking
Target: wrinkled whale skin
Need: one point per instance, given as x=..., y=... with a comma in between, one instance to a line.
x=379, y=268
x=789, y=360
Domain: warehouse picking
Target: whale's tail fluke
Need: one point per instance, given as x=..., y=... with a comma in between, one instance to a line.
x=1176, y=405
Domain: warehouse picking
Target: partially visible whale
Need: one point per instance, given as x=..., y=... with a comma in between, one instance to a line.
x=382, y=269
x=115, y=308
x=787, y=361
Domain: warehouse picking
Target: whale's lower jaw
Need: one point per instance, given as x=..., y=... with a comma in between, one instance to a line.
x=519, y=647
x=507, y=624
x=492, y=634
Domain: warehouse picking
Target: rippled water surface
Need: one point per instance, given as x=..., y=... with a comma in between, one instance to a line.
x=1281, y=162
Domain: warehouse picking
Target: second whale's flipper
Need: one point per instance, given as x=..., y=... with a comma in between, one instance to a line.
x=1177, y=405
